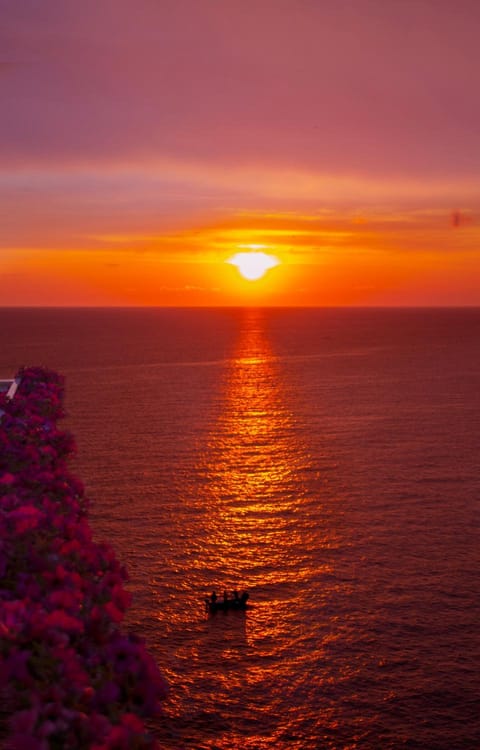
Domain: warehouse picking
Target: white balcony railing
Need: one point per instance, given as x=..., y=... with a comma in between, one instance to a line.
x=10, y=387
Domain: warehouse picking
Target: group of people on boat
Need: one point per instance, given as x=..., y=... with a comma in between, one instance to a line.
x=212, y=602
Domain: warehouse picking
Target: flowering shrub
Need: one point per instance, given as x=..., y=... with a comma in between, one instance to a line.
x=69, y=677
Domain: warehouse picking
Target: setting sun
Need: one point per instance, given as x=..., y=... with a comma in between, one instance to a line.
x=253, y=265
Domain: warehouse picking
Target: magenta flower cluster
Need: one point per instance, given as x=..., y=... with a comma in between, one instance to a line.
x=70, y=677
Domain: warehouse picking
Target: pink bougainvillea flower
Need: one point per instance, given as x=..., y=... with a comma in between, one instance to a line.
x=71, y=667
x=121, y=597
x=115, y=614
x=25, y=519
x=64, y=598
x=7, y=478
x=14, y=614
x=133, y=722
x=119, y=738
x=100, y=725
x=63, y=621
x=61, y=650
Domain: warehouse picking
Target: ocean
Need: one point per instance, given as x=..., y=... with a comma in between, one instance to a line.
x=324, y=460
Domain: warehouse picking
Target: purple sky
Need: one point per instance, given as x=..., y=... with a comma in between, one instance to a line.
x=384, y=88
x=142, y=116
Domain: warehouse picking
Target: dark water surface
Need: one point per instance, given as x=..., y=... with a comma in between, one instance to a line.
x=325, y=460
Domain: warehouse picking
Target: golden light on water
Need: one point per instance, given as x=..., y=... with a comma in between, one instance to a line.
x=251, y=463
x=255, y=522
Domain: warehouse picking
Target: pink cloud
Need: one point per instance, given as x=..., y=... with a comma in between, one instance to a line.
x=383, y=87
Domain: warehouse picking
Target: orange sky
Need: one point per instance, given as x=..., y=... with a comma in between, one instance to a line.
x=141, y=149
x=416, y=259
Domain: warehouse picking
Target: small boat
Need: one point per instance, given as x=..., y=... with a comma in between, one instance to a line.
x=224, y=604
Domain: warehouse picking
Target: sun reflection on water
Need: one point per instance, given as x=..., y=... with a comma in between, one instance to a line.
x=255, y=529
x=249, y=468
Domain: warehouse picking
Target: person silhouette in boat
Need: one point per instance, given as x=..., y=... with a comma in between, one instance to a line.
x=213, y=597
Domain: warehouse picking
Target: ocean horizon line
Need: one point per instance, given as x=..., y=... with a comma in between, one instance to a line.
x=239, y=307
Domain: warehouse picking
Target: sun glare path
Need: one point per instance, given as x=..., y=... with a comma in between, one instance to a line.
x=253, y=265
